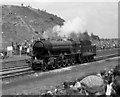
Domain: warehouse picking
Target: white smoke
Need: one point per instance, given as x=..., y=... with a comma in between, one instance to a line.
x=49, y=33
x=70, y=29
x=74, y=26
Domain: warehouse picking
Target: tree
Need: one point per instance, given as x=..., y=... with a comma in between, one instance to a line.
x=36, y=32
x=21, y=4
x=84, y=36
x=94, y=37
x=73, y=35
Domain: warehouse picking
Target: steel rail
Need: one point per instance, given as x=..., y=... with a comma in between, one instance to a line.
x=28, y=70
x=13, y=68
x=25, y=66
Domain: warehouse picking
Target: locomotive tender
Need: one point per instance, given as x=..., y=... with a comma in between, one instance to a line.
x=51, y=54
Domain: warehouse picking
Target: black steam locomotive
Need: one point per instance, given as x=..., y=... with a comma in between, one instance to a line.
x=51, y=54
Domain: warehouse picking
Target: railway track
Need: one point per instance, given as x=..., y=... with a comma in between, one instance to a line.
x=13, y=68
x=18, y=71
x=25, y=65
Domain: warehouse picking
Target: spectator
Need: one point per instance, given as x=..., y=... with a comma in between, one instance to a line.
x=3, y=54
x=28, y=50
x=9, y=50
x=113, y=85
x=20, y=49
x=116, y=87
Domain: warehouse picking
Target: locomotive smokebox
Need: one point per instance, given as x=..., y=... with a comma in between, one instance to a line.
x=41, y=48
x=38, y=46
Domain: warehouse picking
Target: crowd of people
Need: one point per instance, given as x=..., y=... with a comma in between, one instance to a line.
x=107, y=44
x=105, y=83
x=25, y=47
x=16, y=48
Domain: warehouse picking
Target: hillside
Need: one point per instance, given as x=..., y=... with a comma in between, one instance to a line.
x=22, y=22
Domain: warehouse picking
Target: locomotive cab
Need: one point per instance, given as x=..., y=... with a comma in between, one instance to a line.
x=88, y=50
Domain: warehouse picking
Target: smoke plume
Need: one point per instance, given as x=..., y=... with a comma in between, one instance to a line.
x=74, y=26
x=70, y=29
x=49, y=34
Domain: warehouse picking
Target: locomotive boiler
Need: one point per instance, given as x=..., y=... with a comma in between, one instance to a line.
x=51, y=54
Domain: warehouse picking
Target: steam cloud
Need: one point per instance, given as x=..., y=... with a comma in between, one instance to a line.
x=74, y=26
x=70, y=29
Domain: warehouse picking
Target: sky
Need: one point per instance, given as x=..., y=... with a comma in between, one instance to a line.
x=99, y=17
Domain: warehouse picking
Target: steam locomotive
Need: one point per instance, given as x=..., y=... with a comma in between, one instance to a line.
x=52, y=54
